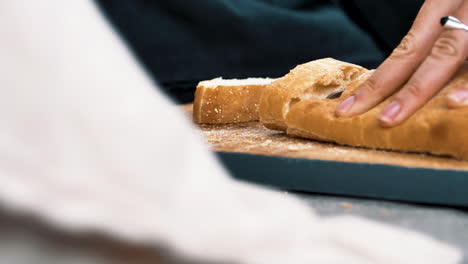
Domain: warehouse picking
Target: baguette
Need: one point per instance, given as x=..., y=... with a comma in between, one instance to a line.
x=435, y=128
x=220, y=101
x=317, y=79
x=301, y=104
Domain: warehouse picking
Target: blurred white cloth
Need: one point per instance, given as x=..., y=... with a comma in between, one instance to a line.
x=87, y=142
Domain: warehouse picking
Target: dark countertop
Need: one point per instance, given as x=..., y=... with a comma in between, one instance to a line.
x=446, y=224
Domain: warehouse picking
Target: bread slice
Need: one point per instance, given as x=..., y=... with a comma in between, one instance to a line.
x=220, y=101
x=317, y=79
x=435, y=128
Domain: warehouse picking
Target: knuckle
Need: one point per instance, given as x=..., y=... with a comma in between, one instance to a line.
x=447, y=47
x=407, y=47
x=370, y=88
x=435, y=2
x=415, y=89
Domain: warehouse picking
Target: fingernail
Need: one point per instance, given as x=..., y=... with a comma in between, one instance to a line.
x=459, y=96
x=390, y=112
x=346, y=105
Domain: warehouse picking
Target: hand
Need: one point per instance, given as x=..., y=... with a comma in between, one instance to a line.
x=426, y=59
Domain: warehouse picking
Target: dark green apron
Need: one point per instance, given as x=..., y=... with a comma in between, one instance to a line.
x=181, y=42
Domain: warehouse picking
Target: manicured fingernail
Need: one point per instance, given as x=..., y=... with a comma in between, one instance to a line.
x=346, y=105
x=390, y=112
x=459, y=96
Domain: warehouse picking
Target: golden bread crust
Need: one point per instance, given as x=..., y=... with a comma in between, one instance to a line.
x=316, y=79
x=435, y=128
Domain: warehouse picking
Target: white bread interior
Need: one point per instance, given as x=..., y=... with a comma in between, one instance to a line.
x=219, y=100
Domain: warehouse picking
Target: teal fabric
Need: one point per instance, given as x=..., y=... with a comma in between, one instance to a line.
x=183, y=41
x=387, y=21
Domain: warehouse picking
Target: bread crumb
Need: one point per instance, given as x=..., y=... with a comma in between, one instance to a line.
x=293, y=148
x=298, y=147
x=346, y=205
x=266, y=142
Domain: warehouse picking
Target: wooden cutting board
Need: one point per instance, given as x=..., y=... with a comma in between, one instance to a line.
x=255, y=154
x=253, y=138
